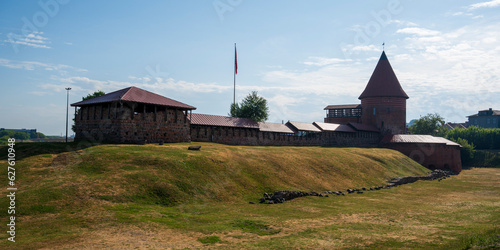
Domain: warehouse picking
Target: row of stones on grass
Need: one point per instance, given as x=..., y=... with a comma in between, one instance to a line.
x=286, y=195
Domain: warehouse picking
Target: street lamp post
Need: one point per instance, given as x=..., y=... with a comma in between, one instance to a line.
x=67, y=110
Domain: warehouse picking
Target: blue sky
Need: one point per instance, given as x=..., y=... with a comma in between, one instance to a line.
x=300, y=55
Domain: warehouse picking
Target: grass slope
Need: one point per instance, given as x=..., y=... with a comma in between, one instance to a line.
x=165, y=196
x=170, y=174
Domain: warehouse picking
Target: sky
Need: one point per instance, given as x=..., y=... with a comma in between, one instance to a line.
x=299, y=55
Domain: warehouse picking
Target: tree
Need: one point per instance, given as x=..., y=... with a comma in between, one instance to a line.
x=431, y=124
x=15, y=134
x=36, y=135
x=93, y=95
x=253, y=107
x=89, y=96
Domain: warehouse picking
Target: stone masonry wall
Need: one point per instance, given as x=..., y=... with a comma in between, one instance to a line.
x=254, y=137
x=386, y=113
x=119, y=124
x=433, y=156
x=168, y=126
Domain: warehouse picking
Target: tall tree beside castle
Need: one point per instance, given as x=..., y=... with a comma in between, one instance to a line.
x=431, y=124
x=253, y=107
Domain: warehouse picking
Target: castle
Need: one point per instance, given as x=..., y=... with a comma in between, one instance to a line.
x=383, y=103
x=134, y=115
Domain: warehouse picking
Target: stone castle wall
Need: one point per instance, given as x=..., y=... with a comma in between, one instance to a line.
x=254, y=137
x=120, y=124
x=432, y=156
x=386, y=113
x=117, y=123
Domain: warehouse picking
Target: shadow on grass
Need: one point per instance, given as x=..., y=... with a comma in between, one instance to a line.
x=484, y=159
x=28, y=149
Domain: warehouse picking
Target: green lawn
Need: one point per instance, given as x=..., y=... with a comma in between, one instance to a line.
x=150, y=196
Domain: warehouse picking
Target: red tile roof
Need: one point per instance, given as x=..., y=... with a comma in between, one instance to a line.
x=224, y=121
x=383, y=82
x=451, y=125
x=301, y=126
x=134, y=94
x=418, y=139
x=334, y=127
x=363, y=127
x=345, y=106
x=274, y=127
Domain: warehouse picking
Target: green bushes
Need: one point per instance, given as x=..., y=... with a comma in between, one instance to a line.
x=486, y=159
x=482, y=138
x=467, y=150
x=6, y=134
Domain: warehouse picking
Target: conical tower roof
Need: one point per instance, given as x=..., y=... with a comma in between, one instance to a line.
x=383, y=82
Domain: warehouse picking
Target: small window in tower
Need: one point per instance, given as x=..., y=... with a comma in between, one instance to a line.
x=373, y=111
x=388, y=110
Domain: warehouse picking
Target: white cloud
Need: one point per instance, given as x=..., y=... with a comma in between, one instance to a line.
x=418, y=31
x=85, y=84
x=35, y=40
x=365, y=48
x=402, y=22
x=461, y=13
x=321, y=80
x=27, y=65
x=284, y=106
x=33, y=65
x=77, y=79
x=489, y=4
x=489, y=40
x=454, y=73
x=57, y=88
x=322, y=61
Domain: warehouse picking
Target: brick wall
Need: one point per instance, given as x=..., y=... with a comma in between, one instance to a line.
x=254, y=137
x=431, y=155
x=117, y=123
x=386, y=113
x=358, y=139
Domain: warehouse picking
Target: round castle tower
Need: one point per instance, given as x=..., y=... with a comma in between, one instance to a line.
x=383, y=101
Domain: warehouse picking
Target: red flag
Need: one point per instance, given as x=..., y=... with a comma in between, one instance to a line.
x=235, y=61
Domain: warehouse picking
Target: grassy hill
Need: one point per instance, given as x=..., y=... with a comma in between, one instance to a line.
x=170, y=174
x=66, y=191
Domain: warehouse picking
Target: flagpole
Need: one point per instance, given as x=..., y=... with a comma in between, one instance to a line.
x=234, y=76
